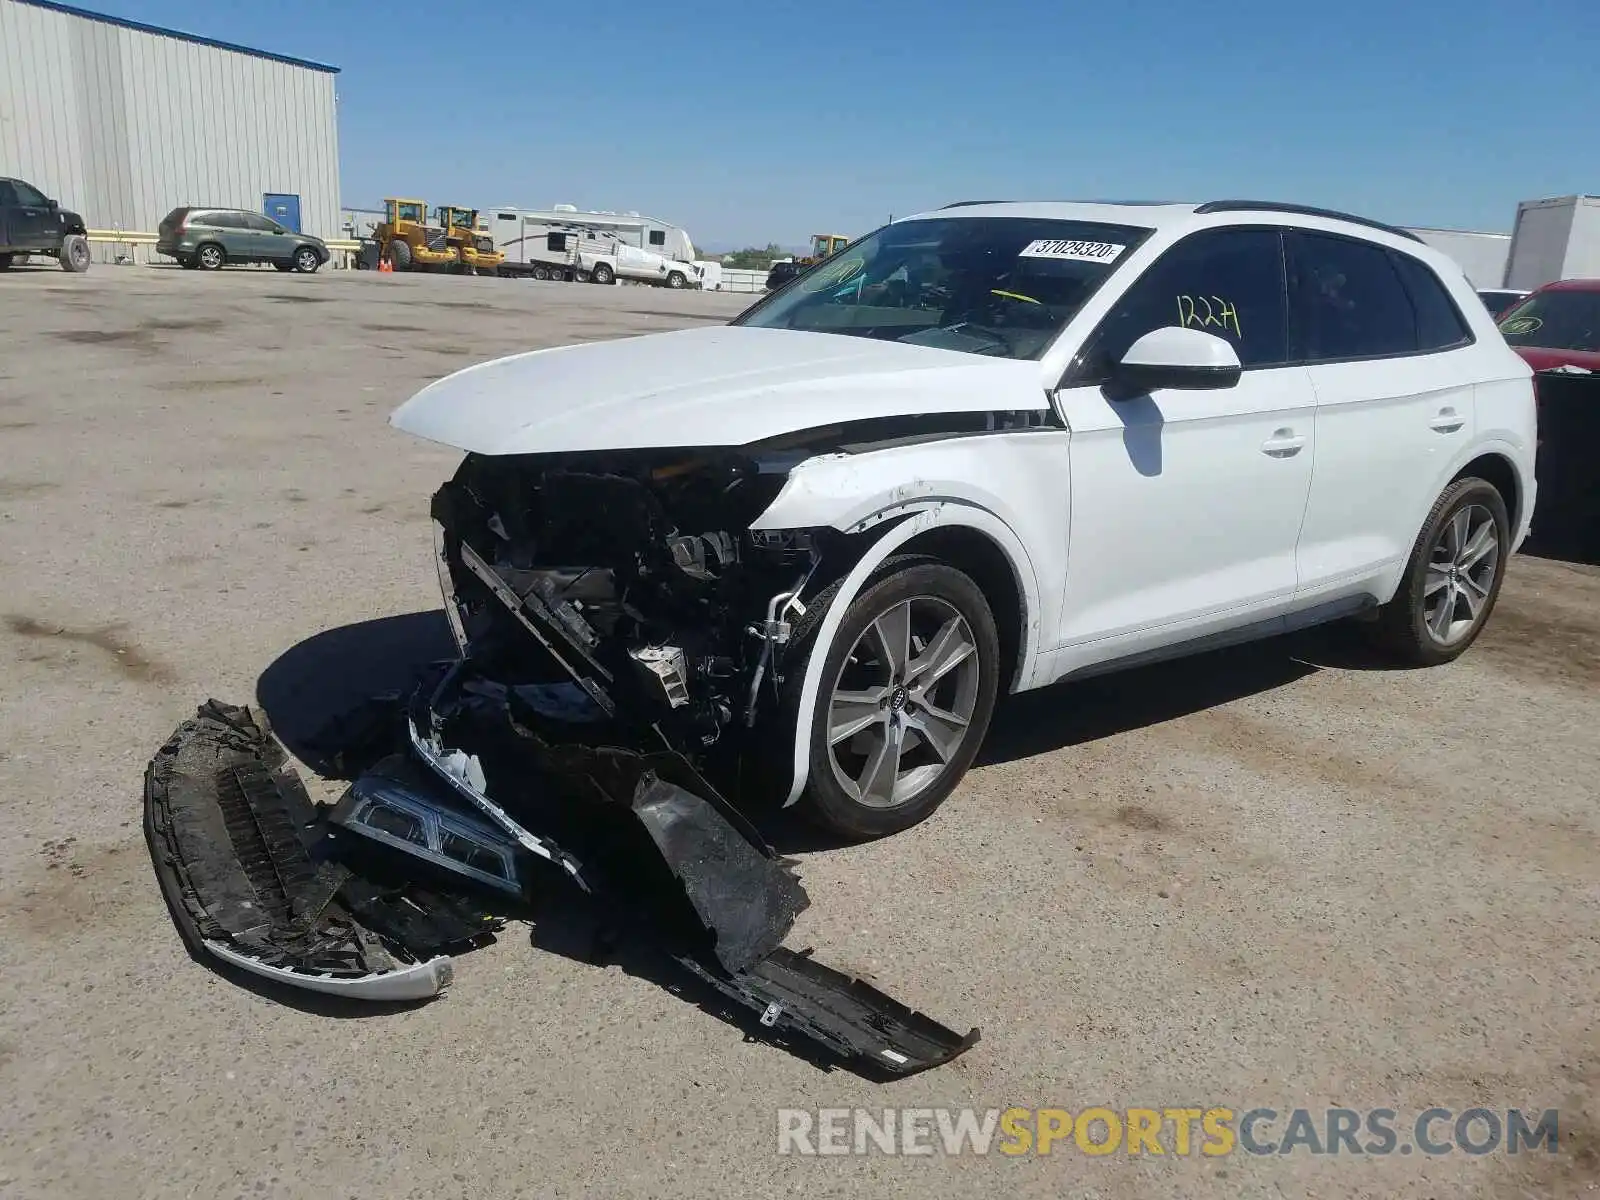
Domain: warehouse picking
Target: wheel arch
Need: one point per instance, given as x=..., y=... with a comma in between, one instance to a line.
x=1499, y=463
x=965, y=536
x=1499, y=470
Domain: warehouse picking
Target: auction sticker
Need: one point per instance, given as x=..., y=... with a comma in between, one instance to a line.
x=1518, y=326
x=1072, y=251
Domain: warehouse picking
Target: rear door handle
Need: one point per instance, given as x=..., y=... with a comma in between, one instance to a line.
x=1284, y=443
x=1448, y=421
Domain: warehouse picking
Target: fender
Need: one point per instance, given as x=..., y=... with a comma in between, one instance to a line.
x=923, y=516
x=1516, y=455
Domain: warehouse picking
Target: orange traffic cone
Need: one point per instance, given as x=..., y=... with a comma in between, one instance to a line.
x=385, y=265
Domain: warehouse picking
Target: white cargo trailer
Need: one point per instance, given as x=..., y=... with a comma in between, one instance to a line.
x=1554, y=239
x=1482, y=257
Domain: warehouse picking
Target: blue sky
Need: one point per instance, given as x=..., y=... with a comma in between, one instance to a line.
x=750, y=122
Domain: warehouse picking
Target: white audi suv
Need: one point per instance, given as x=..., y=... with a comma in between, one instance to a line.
x=985, y=448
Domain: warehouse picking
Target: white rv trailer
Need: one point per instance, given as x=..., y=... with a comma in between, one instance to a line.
x=545, y=245
x=631, y=229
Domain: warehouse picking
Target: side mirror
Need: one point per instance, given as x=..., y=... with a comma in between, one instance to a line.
x=1174, y=357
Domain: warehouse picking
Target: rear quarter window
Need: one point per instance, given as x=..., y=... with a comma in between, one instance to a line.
x=1440, y=325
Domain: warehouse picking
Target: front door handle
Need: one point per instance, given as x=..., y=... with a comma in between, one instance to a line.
x=1284, y=443
x=1448, y=421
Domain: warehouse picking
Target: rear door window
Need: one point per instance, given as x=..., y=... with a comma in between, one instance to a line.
x=8, y=194
x=1227, y=282
x=1347, y=299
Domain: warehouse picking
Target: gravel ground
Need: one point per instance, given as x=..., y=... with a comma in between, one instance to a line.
x=1271, y=877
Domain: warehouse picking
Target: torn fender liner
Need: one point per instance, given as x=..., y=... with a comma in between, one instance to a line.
x=705, y=873
x=231, y=833
x=746, y=900
x=851, y=1018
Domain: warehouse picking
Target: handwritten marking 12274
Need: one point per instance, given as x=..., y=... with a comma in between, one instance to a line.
x=1201, y=312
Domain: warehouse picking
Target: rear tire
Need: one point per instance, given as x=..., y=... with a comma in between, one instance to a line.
x=602, y=274
x=74, y=253
x=677, y=280
x=1452, y=578
x=5, y=261
x=540, y=273
x=933, y=724
x=210, y=257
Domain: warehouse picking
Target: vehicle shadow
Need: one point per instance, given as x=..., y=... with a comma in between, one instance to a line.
x=331, y=673
x=1073, y=713
x=580, y=930
x=326, y=676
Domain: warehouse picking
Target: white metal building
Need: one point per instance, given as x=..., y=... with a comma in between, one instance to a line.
x=123, y=122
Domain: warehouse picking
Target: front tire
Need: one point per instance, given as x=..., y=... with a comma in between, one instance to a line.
x=306, y=260
x=1452, y=578
x=74, y=253
x=908, y=688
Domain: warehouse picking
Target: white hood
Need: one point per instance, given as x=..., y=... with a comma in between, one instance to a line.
x=718, y=386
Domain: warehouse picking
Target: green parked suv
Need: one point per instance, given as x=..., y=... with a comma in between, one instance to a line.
x=208, y=239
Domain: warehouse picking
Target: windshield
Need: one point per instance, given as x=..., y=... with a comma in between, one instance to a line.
x=1559, y=320
x=1002, y=286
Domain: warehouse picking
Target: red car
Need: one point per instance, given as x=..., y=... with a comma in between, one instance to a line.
x=1557, y=326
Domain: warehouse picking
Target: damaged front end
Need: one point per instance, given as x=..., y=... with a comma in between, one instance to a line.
x=624, y=642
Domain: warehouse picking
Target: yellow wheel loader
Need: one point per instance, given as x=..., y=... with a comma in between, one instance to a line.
x=474, y=248
x=406, y=239
x=823, y=245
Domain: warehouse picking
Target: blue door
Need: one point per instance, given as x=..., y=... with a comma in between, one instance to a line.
x=285, y=210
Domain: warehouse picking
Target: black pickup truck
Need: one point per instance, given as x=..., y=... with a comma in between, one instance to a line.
x=32, y=224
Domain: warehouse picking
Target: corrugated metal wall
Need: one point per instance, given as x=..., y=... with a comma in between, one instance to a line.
x=122, y=125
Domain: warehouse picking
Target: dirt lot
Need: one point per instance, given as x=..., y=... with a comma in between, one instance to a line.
x=1272, y=877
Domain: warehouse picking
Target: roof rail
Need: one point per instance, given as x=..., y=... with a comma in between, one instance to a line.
x=1303, y=210
x=970, y=203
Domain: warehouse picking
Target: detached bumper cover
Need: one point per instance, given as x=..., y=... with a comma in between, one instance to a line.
x=233, y=838
x=249, y=871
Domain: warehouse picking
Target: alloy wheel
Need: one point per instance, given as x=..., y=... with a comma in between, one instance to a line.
x=1460, y=575
x=903, y=701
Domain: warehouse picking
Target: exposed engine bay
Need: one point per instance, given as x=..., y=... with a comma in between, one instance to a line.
x=638, y=581
x=625, y=638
